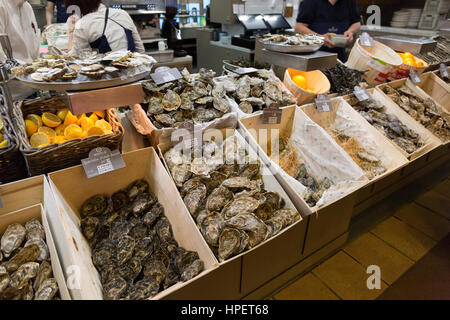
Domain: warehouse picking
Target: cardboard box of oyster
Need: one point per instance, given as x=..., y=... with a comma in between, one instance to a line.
x=239, y=206
x=125, y=231
x=30, y=267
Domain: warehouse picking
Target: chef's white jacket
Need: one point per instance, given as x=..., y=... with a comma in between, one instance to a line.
x=90, y=27
x=18, y=21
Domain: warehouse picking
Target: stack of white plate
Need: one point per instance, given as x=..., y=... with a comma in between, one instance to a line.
x=400, y=19
x=414, y=17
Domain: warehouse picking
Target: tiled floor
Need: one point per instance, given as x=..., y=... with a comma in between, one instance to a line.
x=394, y=245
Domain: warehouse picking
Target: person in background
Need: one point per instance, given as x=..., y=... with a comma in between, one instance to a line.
x=61, y=13
x=170, y=27
x=101, y=29
x=18, y=21
x=323, y=17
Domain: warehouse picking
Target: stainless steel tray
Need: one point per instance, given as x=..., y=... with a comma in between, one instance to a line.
x=290, y=49
x=125, y=76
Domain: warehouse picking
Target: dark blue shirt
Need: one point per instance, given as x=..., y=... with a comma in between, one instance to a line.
x=323, y=17
x=61, y=12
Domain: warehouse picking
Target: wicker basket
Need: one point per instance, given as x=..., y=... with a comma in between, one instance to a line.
x=70, y=153
x=12, y=164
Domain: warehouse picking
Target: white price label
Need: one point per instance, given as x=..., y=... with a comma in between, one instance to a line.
x=323, y=103
x=361, y=93
x=366, y=40
x=101, y=161
x=444, y=71
x=414, y=76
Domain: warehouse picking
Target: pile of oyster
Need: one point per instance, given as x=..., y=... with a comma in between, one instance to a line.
x=290, y=163
x=343, y=79
x=52, y=68
x=25, y=266
x=188, y=99
x=424, y=111
x=133, y=247
x=388, y=124
x=366, y=160
x=227, y=198
x=257, y=91
x=293, y=40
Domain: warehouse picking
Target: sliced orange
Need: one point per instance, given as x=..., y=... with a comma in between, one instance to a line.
x=86, y=123
x=83, y=116
x=70, y=119
x=73, y=132
x=93, y=117
x=104, y=125
x=101, y=113
x=48, y=131
x=60, y=130
x=51, y=120
x=36, y=119
x=30, y=127
x=62, y=114
x=59, y=139
x=39, y=139
x=95, y=131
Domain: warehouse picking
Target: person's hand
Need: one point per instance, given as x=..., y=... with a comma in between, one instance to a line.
x=328, y=43
x=349, y=36
x=71, y=21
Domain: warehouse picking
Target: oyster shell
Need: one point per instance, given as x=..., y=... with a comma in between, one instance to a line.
x=26, y=272
x=4, y=280
x=253, y=225
x=204, y=100
x=240, y=205
x=115, y=289
x=243, y=88
x=44, y=272
x=246, y=107
x=240, y=183
x=171, y=101
x=194, y=269
x=194, y=198
x=229, y=243
x=181, y=173
x=94, y=206
x=125, y=248
x=28, y=254
x=12, y=238
x=153, y=215
x=156, y=267
x=136, y=188
x=221, y=105
x=47, y=290
x=281, y=219
x=44, y=252
x=211, y=228
x=144, y=289
x=155, y=106
x=218, y=199
x=200, y=89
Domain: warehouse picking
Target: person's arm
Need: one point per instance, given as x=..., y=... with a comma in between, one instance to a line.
x=49, y=12
x=350, y=33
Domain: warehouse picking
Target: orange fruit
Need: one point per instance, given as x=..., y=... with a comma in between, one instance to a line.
x=51, y=120
x=86, y=123
x=408, y=55
x=36, y=119
x=73, y=131
x=30, y=127
x=95, y=131
x=62, y=114
x=101, y=113
x=60, y=130
x=38, y=139
x=81, y=117
x=59, y=139
x=93, y=117
x=70, y=119
x=103, y=124
x=409, y=61
x=48, y=131
x=420, y=64
x=300, y=81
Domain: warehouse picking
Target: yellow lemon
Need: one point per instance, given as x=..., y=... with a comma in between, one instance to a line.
x=420, y=64
x=86, y=123
x=300, y=81
x=62, y=114
x=60, y=130
x=83, y=116
x=408, y=55
x=4, y=144
x=93, y=117
x=104, y=125
x=43, y=145
x=39, y=139
x=70, y=119
x=50, y=120
x=59, y=139
x=36, y=119
x=48, y=131
x=95, y=131
x=30, y=127
x=73, y=132
x=101, y=113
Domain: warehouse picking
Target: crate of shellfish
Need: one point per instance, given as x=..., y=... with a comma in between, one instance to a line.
x=368, y=148
x=238, y=205
x=420, y=114
x=126, y=232
x=319, y=177
x=30, y=268
x=437, y=89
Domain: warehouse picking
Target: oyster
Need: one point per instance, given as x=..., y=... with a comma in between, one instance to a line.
x=153, y=215
x=136, y=188
x=194, y=198
x=204, y=100
x=171, y=101
x=200, y=89
x=125, y=248
x=243, y=88
x=44, y=272
x=211, y=228
x=47, y=290
x=69, y=76
x=144, y=289
x=94, y=206
x=246, y=107
x=12, y=238
x=181, y=173
x=281, y=219
x=155, y=106
x=240, y=205
x=44, y=251
x=26, y=272
x=272, y=90
x=229, y=243
x=218, y=199
x=4, y=280
x=221, y=105
x=256, y=229
x=156, y=267
x=115, y=289
x=239, y=183
x=54, y=74
x=28, y=254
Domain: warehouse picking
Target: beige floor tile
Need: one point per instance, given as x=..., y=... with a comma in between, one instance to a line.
x=412, y=243
x=309, y=287
x=342, y=274
x=370, y=250
x=433, y=225
x=435, y=201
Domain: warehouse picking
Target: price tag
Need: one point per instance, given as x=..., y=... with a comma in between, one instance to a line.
x=361, y=93
x=414, y=76
x=366, y=40
x=242, y=71
x=323, y=103
x=165, y=74
x=272, y=114
x=444, y=71
x=101, y=161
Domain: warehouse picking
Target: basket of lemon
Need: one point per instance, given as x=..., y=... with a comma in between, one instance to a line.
x=410, y=62
x=305, y=86
x=52, y=138
x=12, y=164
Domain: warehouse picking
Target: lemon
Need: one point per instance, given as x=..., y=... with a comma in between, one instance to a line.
x=30, y=127
x=60, y=130
x=104, y=125
x=70, y=119
x=300, y=81
x=50, y=120
x=95, y=131
x=36, y=119
x=83, y=116
x=59, y=139
x=93, y=117
x=48, y=131
x=86, y=123
x=39, y=139
x=73, y=132
x=4, y=144
x=62, y=114
x=101, y=113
